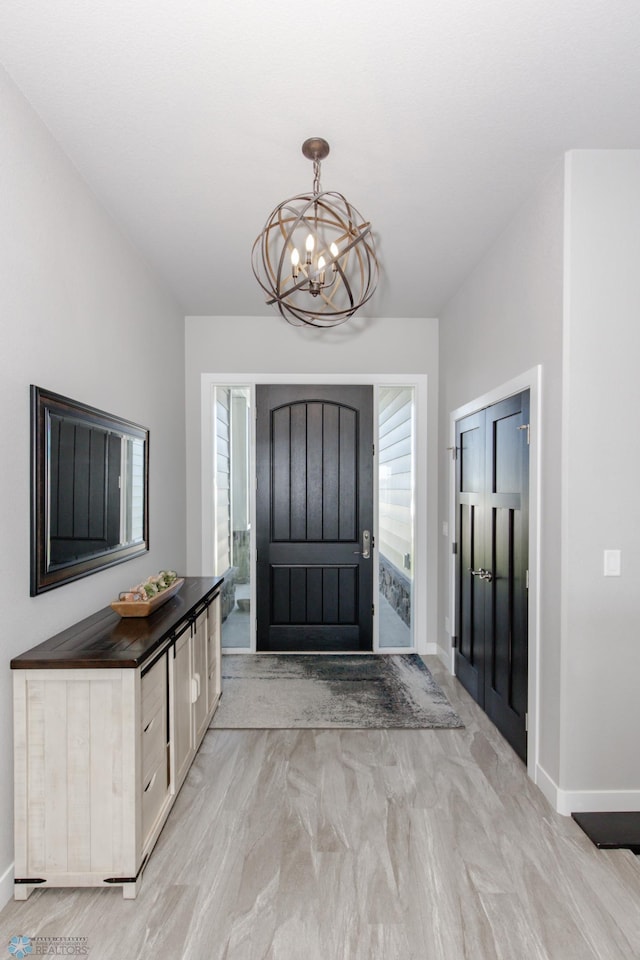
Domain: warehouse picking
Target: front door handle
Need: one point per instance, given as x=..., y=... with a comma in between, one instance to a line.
x=366, y=544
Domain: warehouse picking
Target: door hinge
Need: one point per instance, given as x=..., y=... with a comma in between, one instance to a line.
x=526, y=723
x=526, y=580
x=525, y=426
x=373, y=609
x=454, y=452
x=373, y=449
x=454, y=548
x=454, y=642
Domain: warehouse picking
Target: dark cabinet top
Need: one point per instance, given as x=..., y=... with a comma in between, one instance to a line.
x=107, y=640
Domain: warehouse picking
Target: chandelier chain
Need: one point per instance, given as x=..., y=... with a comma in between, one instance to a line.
x=317, y=189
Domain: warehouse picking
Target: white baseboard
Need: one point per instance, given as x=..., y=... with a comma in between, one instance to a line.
x=603, y=801
x=444, y=656
x=6, y=886
x=550, y=789
x=566, y=802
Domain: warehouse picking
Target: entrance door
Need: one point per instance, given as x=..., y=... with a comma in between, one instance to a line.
x=314, y=518
x=492, y=532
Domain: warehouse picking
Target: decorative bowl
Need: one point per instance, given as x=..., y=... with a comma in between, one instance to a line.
x=142, y=608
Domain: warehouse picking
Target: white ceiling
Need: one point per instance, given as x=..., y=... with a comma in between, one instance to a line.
x=186, y=118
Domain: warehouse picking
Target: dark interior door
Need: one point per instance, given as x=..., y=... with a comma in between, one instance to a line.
x=492, y=507
x=314, y=517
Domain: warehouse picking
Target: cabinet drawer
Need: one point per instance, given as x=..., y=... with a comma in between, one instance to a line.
x=154, y=792
x=154, y=737
x=154, y=690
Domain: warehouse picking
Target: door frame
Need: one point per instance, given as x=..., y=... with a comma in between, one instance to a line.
x=529, y=380
x=424, y=598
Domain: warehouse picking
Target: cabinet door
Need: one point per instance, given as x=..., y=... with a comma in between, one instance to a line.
x=199, y=686
x=182, y=733
x=213, y=655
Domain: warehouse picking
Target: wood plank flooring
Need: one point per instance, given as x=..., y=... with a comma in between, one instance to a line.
x=359, y=845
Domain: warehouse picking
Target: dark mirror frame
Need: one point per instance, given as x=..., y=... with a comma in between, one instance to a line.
x=44, y=574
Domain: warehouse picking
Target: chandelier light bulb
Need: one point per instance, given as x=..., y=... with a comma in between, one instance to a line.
x=309, y=247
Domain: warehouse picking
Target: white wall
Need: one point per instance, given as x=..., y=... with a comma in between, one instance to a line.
x=81, y=315
x=505, y=320
x=254, y=345
x=601, y=641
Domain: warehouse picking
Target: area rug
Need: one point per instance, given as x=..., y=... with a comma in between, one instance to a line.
x=275, y=691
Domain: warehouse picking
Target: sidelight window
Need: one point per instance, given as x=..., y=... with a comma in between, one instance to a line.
x=396, y=514
x=232, y=525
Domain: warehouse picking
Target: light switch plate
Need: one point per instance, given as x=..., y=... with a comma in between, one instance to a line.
x=612, y=563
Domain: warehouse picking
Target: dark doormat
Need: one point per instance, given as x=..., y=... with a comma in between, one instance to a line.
x=611, y=831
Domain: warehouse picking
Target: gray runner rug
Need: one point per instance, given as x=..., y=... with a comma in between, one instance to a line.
x=366, y=691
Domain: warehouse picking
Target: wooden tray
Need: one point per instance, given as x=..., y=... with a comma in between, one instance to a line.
x=142, y=608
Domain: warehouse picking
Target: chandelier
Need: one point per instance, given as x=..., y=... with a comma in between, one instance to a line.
x=315, y=258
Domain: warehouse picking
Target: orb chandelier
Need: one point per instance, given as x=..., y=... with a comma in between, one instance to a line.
x=315, y=258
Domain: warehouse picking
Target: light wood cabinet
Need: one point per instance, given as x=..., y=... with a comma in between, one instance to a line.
x=103, y=742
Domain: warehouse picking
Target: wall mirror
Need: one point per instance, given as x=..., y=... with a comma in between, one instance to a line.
x=89, y=490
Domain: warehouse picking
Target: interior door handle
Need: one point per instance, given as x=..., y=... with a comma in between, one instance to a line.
x=482, y=573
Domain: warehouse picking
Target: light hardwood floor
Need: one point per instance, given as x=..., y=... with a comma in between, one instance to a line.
x=359, y=845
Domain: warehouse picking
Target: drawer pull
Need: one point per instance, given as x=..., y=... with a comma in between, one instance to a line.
x=151, y=782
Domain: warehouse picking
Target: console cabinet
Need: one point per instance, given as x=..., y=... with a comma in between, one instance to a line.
x=108, y=717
